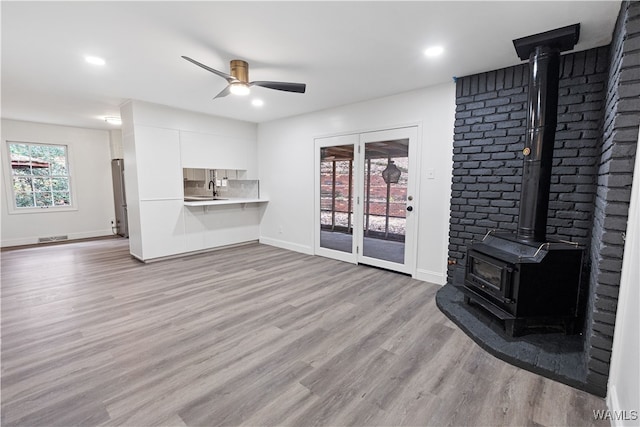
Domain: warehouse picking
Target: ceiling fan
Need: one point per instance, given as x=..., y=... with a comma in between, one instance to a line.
x=239, y=83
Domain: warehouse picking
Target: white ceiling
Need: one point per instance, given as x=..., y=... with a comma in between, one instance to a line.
x=344, y=51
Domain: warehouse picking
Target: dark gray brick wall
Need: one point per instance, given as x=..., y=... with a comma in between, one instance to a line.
x=614, y=176
x=487, y=155
x=596, y=136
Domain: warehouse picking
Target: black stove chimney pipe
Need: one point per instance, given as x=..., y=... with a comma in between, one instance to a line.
x=543, y=51
x=538, y=147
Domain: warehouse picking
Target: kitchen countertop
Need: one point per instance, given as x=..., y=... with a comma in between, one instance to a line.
x=228, y=201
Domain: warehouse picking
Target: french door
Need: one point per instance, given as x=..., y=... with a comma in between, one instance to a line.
x=366, y=206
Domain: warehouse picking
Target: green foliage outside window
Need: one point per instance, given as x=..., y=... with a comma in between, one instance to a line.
x=40, y=175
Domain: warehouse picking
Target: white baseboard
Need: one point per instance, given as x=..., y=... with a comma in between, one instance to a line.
x=431, y=277
x=618, y=415
x=308, y=250
x=33, y=240
x=613, y=404
x=190, y=253
x=425, y=275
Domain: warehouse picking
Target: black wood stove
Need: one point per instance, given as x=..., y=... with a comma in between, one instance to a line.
x=528, y=285
x=526, y=279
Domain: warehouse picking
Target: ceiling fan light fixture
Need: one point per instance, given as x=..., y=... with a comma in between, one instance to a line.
x=238, y=80
x=239, y=88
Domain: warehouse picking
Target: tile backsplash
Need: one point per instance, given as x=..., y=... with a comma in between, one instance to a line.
x=245, y=188
x=241, y=188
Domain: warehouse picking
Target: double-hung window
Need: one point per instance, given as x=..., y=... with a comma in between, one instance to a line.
x=39, y=176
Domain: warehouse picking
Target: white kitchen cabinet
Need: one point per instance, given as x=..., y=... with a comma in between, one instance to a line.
x=191, y=174
x=162, y=228
x=208, y=151
x=221, y=225
x=158, y=162
x=158, y=143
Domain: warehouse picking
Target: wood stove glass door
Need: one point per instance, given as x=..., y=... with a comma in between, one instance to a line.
x=387, y=205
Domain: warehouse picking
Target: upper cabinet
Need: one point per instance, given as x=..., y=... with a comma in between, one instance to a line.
x=208, y=151
x=191, y=174
x=158, y=163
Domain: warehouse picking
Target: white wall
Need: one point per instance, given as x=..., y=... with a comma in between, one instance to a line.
x=115, y=143
x=158, y=142
x=623, y=394
x=286, y=156
x=90, y=166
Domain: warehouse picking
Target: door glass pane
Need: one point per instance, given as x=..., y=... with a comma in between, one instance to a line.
x=336, y=198
x=385, y=199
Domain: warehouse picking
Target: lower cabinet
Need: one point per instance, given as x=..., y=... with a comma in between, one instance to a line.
x=168, y=227
x=162, y=228
x=214, y=226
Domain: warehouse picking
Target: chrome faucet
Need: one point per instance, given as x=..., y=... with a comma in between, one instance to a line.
x=212, y=183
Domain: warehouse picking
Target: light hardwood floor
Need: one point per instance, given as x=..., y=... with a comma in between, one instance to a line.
x=251, y=335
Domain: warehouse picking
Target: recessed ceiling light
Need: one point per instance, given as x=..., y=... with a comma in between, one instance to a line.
x=257, y=102
x=113, y=120
x=434, y=51
x=94, y=60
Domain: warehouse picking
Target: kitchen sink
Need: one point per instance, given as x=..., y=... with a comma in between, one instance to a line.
x=201, y=198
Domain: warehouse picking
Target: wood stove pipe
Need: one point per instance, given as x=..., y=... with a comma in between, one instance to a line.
x=543, y=51
x=538, y=147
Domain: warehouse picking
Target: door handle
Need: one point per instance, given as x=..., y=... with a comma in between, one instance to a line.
x=409, y=208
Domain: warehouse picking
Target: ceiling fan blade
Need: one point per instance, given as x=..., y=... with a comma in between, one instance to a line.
x=226, y=91
x=287, y=87
x=225, y=76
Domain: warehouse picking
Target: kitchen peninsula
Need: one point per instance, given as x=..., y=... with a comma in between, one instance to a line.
x=160, y=143
x=222, y=202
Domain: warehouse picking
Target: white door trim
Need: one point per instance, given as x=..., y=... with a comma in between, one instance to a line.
x=408, y=131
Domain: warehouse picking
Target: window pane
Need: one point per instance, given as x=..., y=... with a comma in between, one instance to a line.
x=336, y=198
x=61, y=199
x=19, y=150
x=60, y=184
x=44, y=199
x=38, y=152
x=39, y=170
x=24, y=199
x=21, y=170
x=385, y=199
x=40, y=155
x=20, y=159
x=42, y=184
x=59, y=167
x=56, y=156
x=22, y=184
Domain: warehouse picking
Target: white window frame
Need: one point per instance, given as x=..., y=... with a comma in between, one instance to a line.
x=8, y=178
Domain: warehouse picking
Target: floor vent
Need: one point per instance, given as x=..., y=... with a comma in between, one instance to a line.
x=52, y=239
